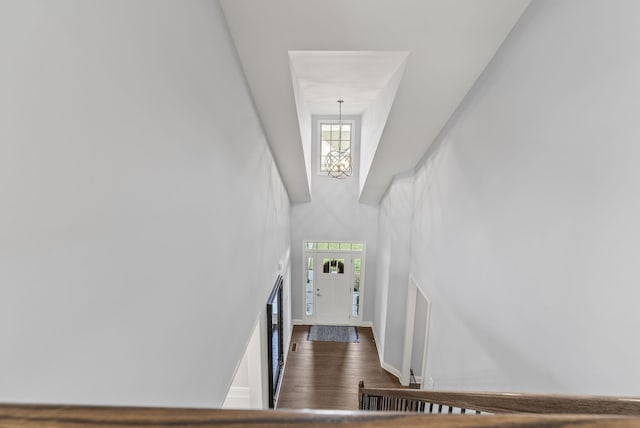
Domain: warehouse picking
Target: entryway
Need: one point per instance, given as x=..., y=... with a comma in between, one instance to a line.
x=325, y=375
x=333, y=282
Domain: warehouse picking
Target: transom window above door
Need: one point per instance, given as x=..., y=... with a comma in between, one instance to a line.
x=333, y=246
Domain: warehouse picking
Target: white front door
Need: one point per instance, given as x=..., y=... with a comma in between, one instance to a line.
x=333, y=288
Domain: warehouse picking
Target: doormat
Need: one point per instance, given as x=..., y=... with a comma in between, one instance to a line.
x=333, y=333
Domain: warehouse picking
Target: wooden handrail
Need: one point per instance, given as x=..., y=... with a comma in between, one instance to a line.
x=507, y=402
x=51, y=416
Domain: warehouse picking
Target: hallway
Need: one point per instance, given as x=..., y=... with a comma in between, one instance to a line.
x=325, y=375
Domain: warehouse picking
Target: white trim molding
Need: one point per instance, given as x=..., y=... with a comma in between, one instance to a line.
x=412, y=295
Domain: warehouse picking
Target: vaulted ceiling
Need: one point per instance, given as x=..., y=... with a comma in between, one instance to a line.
x=405, y=65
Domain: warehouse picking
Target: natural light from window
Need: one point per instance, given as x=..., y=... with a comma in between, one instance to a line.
x=332, y=138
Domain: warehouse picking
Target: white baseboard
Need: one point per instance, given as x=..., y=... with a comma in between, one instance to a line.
x=365, y=324
x=238, y=397
x=394, y=371
x=297, y=322
x=388, y=367
x=375, y=338
x=287, y=344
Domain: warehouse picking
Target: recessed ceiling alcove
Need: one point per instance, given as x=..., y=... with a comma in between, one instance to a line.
x=357, y=77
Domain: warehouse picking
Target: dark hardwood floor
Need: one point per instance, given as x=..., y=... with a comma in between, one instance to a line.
x=325, y=375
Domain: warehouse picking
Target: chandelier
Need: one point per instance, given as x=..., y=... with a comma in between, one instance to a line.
x=338, y=162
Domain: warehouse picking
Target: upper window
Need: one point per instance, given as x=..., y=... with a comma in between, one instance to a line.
x=333, y=246
x=333, y=138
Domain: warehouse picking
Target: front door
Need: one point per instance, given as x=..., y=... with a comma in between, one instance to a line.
x=333, y=288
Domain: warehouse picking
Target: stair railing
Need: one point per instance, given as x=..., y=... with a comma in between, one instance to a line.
x=449, y=402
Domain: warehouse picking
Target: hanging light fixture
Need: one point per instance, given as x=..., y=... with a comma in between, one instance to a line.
x=339, y=161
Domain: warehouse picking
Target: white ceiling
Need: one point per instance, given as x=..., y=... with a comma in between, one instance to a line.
x=354, y=76
x=450, y=42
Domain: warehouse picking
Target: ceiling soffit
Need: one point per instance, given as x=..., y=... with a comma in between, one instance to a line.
x=450, y=43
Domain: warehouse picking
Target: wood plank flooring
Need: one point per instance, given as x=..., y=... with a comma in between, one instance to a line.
x=325, y=375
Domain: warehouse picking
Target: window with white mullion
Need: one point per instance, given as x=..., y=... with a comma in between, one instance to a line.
x=333, y=137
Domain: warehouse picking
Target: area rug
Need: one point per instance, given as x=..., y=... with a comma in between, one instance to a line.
x=333, y=333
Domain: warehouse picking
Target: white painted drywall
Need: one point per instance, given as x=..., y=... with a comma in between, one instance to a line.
x=250, y=382
x=525, y=227
x=450, y=43
x=419, y=334
x=304, y=123
x=394, y=236
x=142, y=217
x=374, y=120
x=383, y=265
x=333, y=214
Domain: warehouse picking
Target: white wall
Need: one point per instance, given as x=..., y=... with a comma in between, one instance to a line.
x=374, y=120
x=394, y=238
x=142, y=217
x=525, y=226
x=419, y=333
x=304, y=124
x=333, y=214
x=249, y=388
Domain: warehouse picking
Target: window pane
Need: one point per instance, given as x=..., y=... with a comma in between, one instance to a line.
x=345, y=246
x=356, y=305
x=357, y=247
x=334, y=245
x=309, y=288
x=357, y=264
x=333, y=266
x=333, y=137
x=323, y=246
